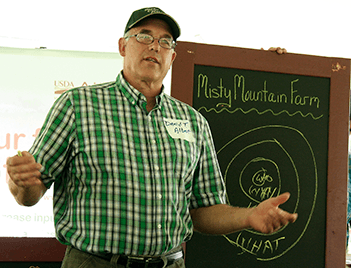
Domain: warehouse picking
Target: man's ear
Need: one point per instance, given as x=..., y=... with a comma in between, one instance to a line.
x=122, y=46
x=174, y=55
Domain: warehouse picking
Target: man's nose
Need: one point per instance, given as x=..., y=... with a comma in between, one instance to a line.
x=155, y=45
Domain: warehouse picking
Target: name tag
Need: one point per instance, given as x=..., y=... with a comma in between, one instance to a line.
x=179, y=129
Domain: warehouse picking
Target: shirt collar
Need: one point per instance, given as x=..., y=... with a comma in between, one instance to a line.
x=134, y=96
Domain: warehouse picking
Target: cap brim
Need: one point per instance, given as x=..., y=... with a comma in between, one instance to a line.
x=168, y=19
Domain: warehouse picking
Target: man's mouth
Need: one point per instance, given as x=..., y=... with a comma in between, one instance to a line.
x=152, y=59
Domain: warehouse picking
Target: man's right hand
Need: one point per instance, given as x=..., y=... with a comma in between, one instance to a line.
x=24, y=171
x=25, y=184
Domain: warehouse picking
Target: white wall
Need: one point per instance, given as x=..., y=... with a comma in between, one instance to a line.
x=29, y=79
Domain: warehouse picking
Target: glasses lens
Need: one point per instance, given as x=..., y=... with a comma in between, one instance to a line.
x=144, y=38
x=148, y=39
x=166, y=43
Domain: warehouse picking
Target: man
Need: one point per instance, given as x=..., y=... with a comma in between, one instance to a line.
x=129, y=190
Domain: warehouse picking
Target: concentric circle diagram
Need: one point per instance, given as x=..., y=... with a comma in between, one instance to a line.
x=263, y=163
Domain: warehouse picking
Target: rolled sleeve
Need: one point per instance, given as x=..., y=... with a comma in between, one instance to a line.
x=208, y=184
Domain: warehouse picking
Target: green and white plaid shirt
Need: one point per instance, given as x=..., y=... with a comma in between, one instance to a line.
x=125, y=179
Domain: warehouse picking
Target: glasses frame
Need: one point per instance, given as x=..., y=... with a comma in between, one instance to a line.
x=173, y=43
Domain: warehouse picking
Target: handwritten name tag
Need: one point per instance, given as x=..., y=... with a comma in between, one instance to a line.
x=179, y=129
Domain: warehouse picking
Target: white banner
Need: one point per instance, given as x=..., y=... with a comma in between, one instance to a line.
x=30, y=81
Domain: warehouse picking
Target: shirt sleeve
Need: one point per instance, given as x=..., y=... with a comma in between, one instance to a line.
x=208, y=184
x=52, y=146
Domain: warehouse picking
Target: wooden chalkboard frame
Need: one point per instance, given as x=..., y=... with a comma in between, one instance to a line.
x=336, y=69
x=15, y=249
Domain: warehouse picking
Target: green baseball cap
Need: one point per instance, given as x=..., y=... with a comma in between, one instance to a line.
x=144, y=13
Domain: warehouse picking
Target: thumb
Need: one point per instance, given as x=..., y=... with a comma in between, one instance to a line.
x=28, y=156
x=25, y=153
x=281, y=199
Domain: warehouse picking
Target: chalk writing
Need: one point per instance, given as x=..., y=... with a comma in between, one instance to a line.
x=256, y=246
x=260, y=177
x=259, y=113
x=214, y=93
x=262, y=192
x=224, y=96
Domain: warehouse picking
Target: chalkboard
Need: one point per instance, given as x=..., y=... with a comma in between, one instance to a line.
x=276, y=121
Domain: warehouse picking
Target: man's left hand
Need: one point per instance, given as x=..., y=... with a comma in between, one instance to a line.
x=279, y=50
x=267, y=217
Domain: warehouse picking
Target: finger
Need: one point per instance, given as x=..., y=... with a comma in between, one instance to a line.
x=281, y=51
x=30, y=158
x=275, y=219
x=280, y=218
x=25, y=173
x=9, y=161
x=27, y=170
x=28, y=182
x=25, y=158
x=19, y=160
x=27, y=154
x=266, y=228
x=293, y=217
x=286, y=217
x=25, y=176
x=282, y=221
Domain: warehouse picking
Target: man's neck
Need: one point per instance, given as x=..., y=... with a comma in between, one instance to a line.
x=149, y=89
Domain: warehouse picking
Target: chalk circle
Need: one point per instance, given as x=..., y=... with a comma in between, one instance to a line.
x=263, y=163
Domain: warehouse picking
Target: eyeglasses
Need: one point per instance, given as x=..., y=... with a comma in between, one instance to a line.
x=147, y=39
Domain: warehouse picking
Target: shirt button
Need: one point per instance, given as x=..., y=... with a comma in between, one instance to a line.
x=159, y=196
x=157, y=168
x=159, y=226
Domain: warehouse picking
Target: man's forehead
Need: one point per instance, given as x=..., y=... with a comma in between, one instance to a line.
x=147, y=25
x=146, y=31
